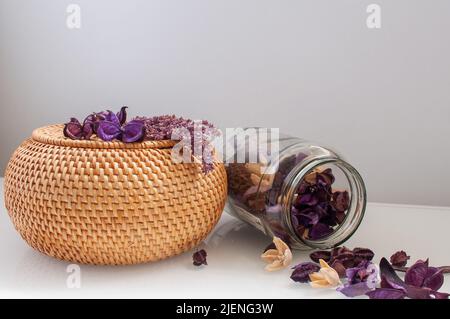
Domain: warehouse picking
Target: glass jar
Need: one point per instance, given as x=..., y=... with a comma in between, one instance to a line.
x=305, y=194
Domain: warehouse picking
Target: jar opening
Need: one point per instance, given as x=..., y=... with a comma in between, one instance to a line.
x=325, y=202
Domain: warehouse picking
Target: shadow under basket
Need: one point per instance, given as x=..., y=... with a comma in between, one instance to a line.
x=109, y=203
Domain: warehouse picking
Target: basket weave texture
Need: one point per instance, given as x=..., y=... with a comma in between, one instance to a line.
x=112, y=203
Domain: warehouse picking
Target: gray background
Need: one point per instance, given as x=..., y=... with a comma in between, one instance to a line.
x=312, y=68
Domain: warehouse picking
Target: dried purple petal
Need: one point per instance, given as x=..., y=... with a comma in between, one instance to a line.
x=399, y=259
x=315, y=194
x=434, y=279
x=416, y=274
x=164, y=127
x=320, y=230
x=341, y=201
x=355, y=290
x=310, y=218
x=325, y=178
x=386, y=293
x=342, y=256
x=346, y=258
x=421, y=275
x=339, y=267
x=320, y=254
x=73, y=129
x=302, y=271
x=336, y=251
x=389, y=274
x=388, y=283
x=110, y=116
x=133, y=131
x=88, y=129
x=413, y=285
x=360, y=279
x=199, y=258
x=108, y=131
x=362, y=254
x=307, y=199
x=122, y=115
x=440, y=295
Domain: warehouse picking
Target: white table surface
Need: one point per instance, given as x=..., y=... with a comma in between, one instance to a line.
x=234, y=268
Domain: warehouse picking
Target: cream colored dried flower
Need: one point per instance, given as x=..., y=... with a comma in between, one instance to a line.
x=326, y=277
x=277, y=258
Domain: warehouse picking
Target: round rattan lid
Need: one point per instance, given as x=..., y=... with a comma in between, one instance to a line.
x=53, y=134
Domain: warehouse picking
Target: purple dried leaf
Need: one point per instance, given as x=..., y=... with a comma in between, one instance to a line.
x=399, y=259
x=320, y=254
x=339, y=267
x=325, y=178
x=416, y=276
x=434, y=279
x=417, y=273
x=133, y=131
x=108, y=131
x=386, y=293
x=88, y=129
x=388, y=283
x=302, y=271
x=122, y=115
x=346, y=258
x=199, y=258
x=362, y=254
x=320, y=230
x=355, y=290
x=422, y=276
x=73, y=129
x=341, y=201
x=308, y=219
x=389, y=274
x=110, y=116
x=307, y=200
x=440, y=295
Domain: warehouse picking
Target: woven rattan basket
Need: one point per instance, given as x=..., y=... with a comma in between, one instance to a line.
x=101, y=202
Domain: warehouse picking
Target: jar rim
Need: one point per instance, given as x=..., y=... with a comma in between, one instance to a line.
x=355, y=212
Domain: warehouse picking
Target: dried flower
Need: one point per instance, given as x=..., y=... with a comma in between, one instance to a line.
x=386, y=293
x=399, y=259
x=360, y=279
x=107, y=125
x=77, y=131
x=340, y=257
x=110, y=126
x=361, y=254
x=199, y=258
x=326, y=277
x=277, y=258
x=421, y=282
x=421, y=275
x=317, y=209
x=199, y=135
x=320, y=254
x=302, y=271
x=339, y=267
